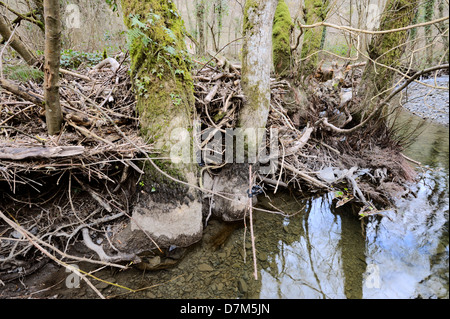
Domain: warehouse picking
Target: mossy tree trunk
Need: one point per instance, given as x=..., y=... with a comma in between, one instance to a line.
x=443, y=26
x=429, y=11
x=256, y=62
x=385, y=50
x=281, y=35
x=256, y=67
x=314, y=11
x=167, y=211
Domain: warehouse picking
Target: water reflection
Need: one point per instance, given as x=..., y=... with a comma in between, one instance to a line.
x=307, y=259
x=410, y=249
x=325, y=253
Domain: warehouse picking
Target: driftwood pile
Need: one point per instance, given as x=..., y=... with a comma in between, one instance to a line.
x=57, y=187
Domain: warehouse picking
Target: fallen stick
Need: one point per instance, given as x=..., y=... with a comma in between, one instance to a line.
x=212, y=94
x=89, y=134
x=274, y=182
x=20, y=153
x=252, y=236
x=301, y=142
x=306, y=177
x=77, y=75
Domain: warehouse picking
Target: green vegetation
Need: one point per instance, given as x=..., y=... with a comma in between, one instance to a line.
x=23, y=73
x=71, y=59
x=387, y=50
x=159, y=64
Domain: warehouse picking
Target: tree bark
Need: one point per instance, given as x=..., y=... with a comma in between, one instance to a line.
x=429, y=12
x=256, y=66
x=169, y=212
x=52, y=51
x=256, y=62
x=281, y=35
x=16, y=43
x=385, y=50
x=200, y=15
x=315, y=11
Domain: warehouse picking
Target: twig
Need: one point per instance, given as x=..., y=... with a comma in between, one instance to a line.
x=306, y=177
x=384, y=102
x=3, y=50
x=355, y=30
x=250, y=207
x=410, y=159
x=80, y=76
x=34, y=241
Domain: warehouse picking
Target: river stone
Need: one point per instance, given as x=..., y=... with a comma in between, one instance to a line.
x=262, y=256
x=205, y=267
x=242, y=285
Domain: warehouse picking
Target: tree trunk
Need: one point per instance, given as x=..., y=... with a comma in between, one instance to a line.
x=200, y=13
x=385, y=50
x=315, y=11
x=256, y=62
x=256, y=66
x=16, y=43
x=167, y=211
x=429, y=11
x=442, y=26
x=281, y=35
x=53, y=112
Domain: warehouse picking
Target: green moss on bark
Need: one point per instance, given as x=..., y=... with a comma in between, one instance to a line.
x=159, y=66
x=315, y=11
x=281, y=34
x=386, y=50
x=160, y=70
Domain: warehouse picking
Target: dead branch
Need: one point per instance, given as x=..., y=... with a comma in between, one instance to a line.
x=21, y=153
